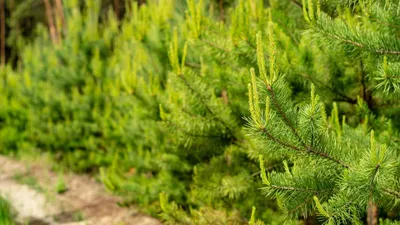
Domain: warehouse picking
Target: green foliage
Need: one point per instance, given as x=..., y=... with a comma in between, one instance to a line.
x=173, y=214
x=337, y=171
x=61, y=187
x=28, y=180
x=6, y=214
x=153, y=102
x=92, y=100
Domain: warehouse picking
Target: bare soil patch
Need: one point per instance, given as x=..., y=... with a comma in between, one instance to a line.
x=31, y=190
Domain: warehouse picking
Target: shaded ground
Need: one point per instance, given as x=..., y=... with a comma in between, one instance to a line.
x=33, y=190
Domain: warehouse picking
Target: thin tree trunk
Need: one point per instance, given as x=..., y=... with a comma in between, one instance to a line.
x=12, y=4
x=224, y=96
x=59, y=11
x=310, y=220
x=221, y=10
x=372, y=214
x=116, y=8
x=50, y=20
x=2, y=33
x=141, y=2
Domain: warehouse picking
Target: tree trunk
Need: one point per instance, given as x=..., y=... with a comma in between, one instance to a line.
x=2, y=33
x=141, y=2
x=224, y=96
x=59, y=11
x=372, y=214
x=310, y=220
x=221, y=10
x=50, y=20
x=117, y=8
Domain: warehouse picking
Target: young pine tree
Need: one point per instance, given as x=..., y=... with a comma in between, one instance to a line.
x=343, y=173
x=204, y=111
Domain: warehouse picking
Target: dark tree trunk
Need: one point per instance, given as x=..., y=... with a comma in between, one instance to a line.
x=2, y=33
x=117, y=8
x=310, y=220
x=221, y=10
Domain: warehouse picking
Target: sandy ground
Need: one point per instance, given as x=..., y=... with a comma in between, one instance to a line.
x=84, y=203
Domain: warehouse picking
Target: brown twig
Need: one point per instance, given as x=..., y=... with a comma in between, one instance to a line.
x=271, y=137
x=289, y=188
x=308, y=150
x=392, y=192
x=362, y=81
x=365, y=93
x=298, y=4
x=325, y=155
x=343, y=97
x=283, y=114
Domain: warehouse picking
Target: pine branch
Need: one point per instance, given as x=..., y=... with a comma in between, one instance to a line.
x=308, y=150
x=291, y=34
x=283, y=115
x=205, y=104
x=193, y=65
x=371, y=187
x=191, y=134
x=380, y=22
x=271, y=137
x=363, y=84
x=340, y=94
x=215, y=46
x=308, y=200
x=266, y=56
x=392, y=192
x=289, y=188
x=325, y=155
x=391, y=105
x=339, y=209
x=360, y=45
x=269, y=168
x=296, y=3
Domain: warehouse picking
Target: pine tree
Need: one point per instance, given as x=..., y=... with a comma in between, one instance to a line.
x=205, y=110
x=341, y=171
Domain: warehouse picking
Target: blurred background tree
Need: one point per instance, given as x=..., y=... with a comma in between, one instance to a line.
x=19, y=19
